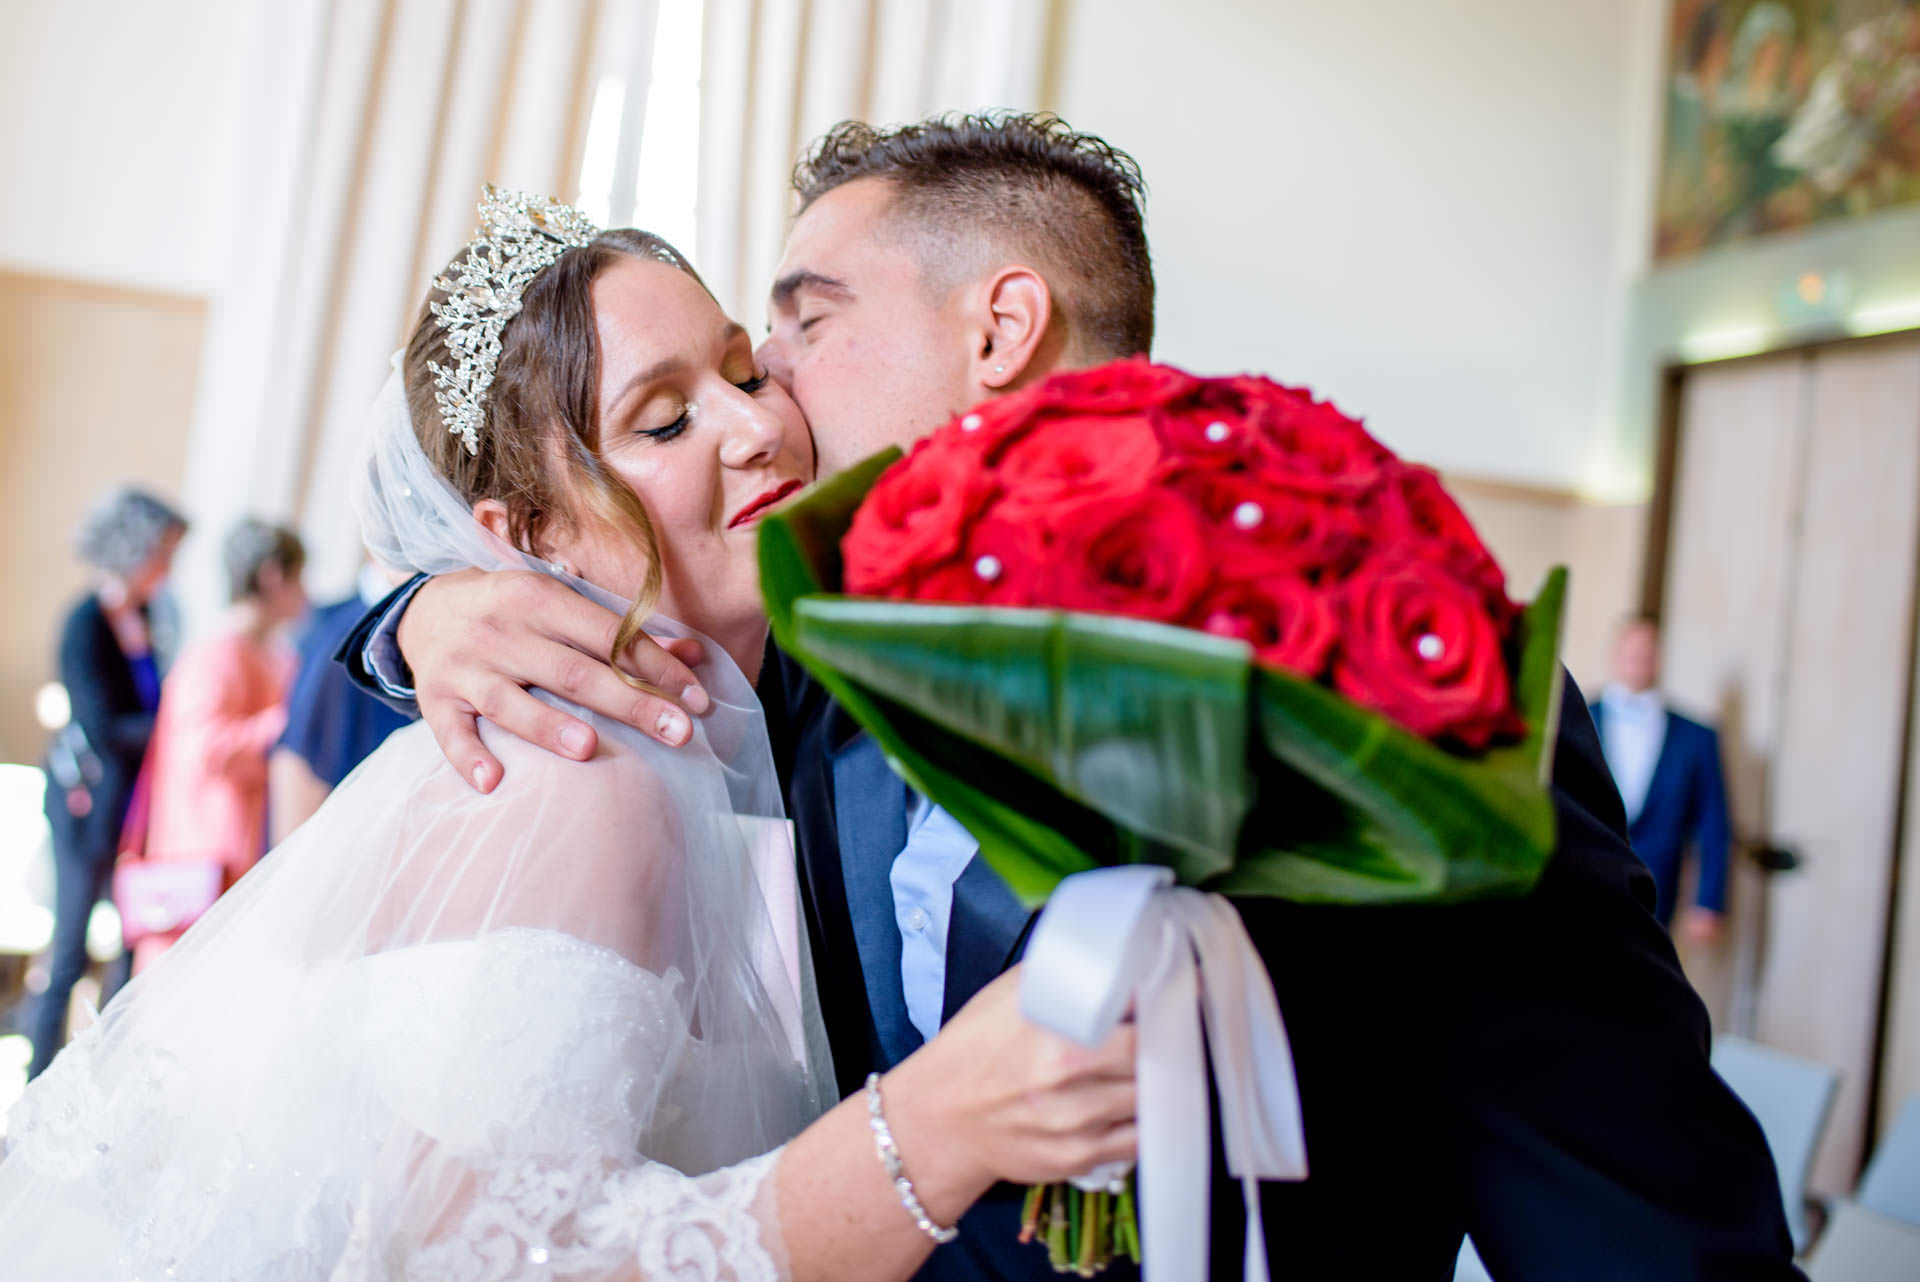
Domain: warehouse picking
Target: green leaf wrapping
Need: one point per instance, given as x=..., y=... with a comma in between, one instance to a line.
x=1066, y=741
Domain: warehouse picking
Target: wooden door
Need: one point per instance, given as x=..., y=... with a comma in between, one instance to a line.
x=1789, y=622
x=1736, y=501
x=1838, y=775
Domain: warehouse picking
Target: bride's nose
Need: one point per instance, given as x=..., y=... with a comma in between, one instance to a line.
x=753, y=436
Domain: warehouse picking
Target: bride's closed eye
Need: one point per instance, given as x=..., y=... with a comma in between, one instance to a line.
x=680, y=424
x=671, y=430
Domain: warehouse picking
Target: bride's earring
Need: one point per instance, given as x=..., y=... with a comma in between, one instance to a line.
x=561, y=567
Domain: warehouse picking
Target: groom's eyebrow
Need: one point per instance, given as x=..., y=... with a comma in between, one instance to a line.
x=793, y=282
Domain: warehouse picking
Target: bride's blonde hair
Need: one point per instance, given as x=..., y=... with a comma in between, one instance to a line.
x=539, y=449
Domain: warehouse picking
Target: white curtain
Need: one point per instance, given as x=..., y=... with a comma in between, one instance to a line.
x=775, y=74
x=372, y=125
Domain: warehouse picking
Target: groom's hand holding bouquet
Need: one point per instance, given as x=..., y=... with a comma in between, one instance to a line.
x=1154, y=640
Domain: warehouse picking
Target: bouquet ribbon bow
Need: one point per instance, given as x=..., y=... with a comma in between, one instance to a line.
x=1127, y=935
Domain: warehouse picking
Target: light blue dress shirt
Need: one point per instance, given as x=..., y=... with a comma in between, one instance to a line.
x=1631, y=737
x=938, y=850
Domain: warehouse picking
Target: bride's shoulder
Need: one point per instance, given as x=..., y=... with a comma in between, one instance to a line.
x=592, y=849
x=624, y=780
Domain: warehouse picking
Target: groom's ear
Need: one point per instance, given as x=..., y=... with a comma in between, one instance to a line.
x=1016, y=320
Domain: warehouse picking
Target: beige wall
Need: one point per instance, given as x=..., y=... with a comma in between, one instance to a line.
x=96, y=388
x=118, y=150
x=1431, y=213
x=1531, y=529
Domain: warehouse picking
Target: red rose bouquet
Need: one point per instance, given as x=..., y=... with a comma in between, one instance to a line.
x=1235, y=507
x=1133, y=616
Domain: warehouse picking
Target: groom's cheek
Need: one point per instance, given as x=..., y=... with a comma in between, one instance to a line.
x=774, y=358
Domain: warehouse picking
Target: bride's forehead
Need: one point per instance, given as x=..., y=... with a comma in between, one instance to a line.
x=654, y=314
x=637, y=290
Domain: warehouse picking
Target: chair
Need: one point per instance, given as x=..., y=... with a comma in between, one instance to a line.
x=1891, y=1185
x=1789, y=1096
x=1861, y=1246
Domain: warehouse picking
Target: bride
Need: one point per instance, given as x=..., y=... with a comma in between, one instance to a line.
x=567, y=1030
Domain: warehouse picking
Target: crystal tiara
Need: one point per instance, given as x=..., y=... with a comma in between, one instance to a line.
x=521, y=235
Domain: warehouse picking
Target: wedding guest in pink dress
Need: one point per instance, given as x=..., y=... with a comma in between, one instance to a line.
x=222, y=710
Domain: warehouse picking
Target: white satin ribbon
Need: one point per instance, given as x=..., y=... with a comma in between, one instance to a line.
x=1120, y=936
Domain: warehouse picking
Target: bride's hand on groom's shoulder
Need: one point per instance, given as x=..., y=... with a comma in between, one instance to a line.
x=1004, y=1099
x=476, y=639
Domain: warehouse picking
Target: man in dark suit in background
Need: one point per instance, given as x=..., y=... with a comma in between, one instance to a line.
x=1530, y=1070
x=1668, y=770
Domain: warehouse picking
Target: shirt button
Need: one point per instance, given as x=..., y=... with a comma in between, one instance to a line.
x=917, y=919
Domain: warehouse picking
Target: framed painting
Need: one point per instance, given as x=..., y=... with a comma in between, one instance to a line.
x=1785, y=113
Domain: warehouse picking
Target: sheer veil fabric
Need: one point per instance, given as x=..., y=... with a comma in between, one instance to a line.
x=557, y=1032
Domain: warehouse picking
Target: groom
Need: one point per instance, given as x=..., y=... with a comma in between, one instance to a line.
x=1532, y=1071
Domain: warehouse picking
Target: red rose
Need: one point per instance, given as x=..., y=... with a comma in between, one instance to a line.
x=951, y=584
x=912, y=520
x=1133, y=384
x=1417, y=516
x=1001, y=562
x=1303, y=534
x=1420, y=647
x=1325, y=539
x=1067, y=461
x=1311, y=446
x=1143, y=555
x=1289, y=623
x=994, y=424
x=1208, y=429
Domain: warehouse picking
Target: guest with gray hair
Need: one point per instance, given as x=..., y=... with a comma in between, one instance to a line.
x=111, y=669
x=223, y=710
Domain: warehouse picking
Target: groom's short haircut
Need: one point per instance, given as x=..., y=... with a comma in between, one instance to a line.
x=1068, y=204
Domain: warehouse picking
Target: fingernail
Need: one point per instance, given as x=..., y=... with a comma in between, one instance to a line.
x=574, y=740
x=480, y=777
x=671, y=726
x=695, y=700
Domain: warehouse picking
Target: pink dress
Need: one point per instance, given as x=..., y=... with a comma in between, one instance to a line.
x=222, y=710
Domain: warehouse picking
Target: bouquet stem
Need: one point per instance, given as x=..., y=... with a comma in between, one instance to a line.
x=1084, y=1232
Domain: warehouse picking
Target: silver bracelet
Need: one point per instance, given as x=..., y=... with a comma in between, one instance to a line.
x=890, y=1158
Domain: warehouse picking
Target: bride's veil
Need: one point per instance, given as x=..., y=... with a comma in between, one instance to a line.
x=429, y=1009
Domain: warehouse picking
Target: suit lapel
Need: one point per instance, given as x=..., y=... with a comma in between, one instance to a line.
x=985, y=933
x=803, y=725
x=871, y=813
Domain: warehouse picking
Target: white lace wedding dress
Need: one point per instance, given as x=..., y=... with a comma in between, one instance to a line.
x=558, y=1032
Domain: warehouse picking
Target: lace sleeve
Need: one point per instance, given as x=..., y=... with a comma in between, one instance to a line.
x=590, y=1221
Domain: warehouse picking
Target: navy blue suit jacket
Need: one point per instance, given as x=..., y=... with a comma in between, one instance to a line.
x=1531, y=1070
x=108, y=709
x=1686, y=805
